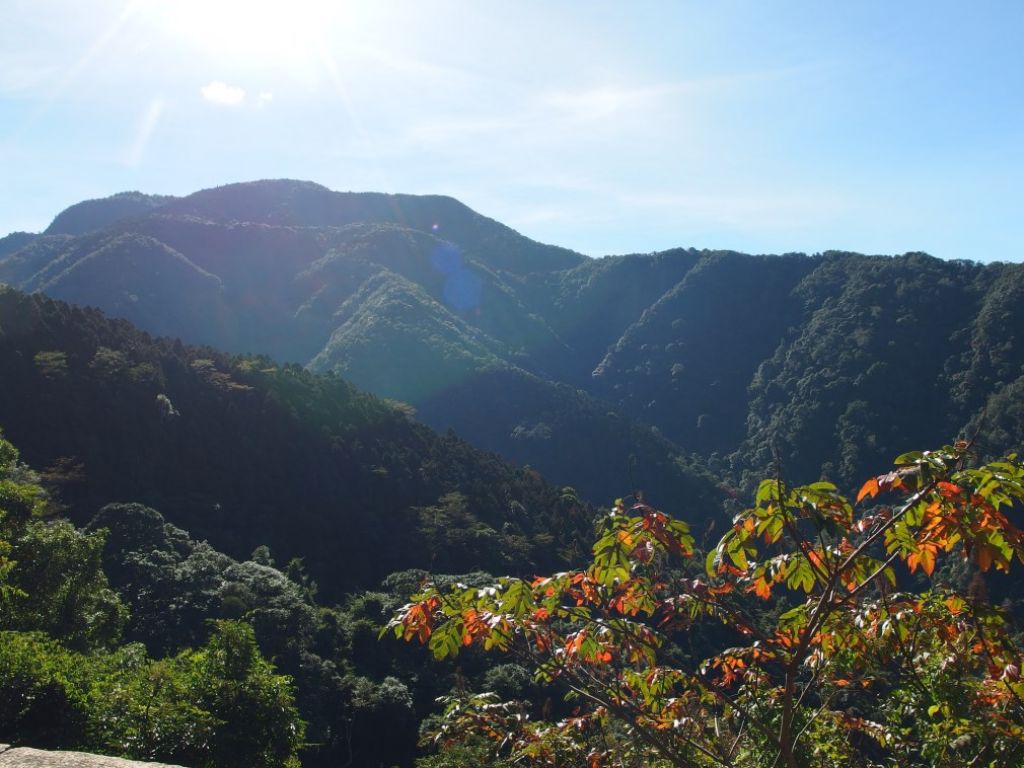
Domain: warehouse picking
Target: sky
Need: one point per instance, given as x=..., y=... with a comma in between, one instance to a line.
x=605, y=127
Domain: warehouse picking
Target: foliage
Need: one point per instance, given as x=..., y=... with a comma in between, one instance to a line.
x=422, y=299
x=471, y=751
x=238, y=687
x=223, y=445
x=826, y=654
x=61, y=587
x=219, y=706
x=67, y=682
x=346, y=686
x=51, y=578
x=531, y=351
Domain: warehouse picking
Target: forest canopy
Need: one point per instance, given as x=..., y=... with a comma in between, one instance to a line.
x=67, y=679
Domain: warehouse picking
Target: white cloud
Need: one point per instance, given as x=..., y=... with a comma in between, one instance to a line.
x=264, y=98
x=219, y=92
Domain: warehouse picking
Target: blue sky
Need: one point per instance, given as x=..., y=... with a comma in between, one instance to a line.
x=766, y=127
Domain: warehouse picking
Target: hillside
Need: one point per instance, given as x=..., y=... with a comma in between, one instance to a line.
x=243, y=453
x=410, y=297
x=217, y=487
x=681, y=360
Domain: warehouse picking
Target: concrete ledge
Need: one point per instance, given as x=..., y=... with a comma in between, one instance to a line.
x=25, y=757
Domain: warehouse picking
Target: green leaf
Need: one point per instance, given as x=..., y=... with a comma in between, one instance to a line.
x=822, y=487
x=711, y=562
x=799, y=575
x=910, y=457
x=766, y=491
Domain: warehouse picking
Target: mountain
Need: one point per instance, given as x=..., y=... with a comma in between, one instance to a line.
x=90, y=215
x=413, y=298
x=244, y=453
x=15, y=242
x=637, y=372
x=685, y=375
x=835, y=363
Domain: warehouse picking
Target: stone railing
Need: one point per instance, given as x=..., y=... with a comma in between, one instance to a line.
x=25, y=757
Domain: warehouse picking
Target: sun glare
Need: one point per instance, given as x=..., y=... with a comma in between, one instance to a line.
x=258, y=30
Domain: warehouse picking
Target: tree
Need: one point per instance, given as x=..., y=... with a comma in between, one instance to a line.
x=67, y=682
x=259, y=726
x=61, y=587
x=816, y=634
x=51, y=577
x=221, y=705
x=20, y=502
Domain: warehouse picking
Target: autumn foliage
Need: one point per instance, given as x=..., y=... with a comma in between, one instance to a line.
x=816, y=634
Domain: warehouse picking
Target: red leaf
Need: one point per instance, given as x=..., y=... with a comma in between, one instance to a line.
x=949, y=490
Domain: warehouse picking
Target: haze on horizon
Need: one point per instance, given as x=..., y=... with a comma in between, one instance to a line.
x=606, y=128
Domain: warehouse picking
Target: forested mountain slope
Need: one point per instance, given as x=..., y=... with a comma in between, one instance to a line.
x=131, y=638
x=411, y=297
x=837, y=361
x=833, y=360
x=242, y=453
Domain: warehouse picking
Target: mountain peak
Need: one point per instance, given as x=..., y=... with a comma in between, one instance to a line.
x=91, y=215
x=306, y=204
x=291, y=203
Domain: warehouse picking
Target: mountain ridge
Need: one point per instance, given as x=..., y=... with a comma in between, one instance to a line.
x=703, y=354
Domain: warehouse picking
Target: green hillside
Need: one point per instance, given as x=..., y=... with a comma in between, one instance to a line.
x=409, y=297
x=693, y=358
x=241, y=452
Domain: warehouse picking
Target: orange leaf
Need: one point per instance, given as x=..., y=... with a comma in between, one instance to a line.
x=572, y=646
x=761, y=587
x=870, y=488
x=815, y=559
x=927, y=559
x=983, y=556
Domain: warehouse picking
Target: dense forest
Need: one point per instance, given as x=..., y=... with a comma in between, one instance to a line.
x=250, y=465
x=270, y=413
x=244, y=453
x=130, y=638
x=662, y=364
